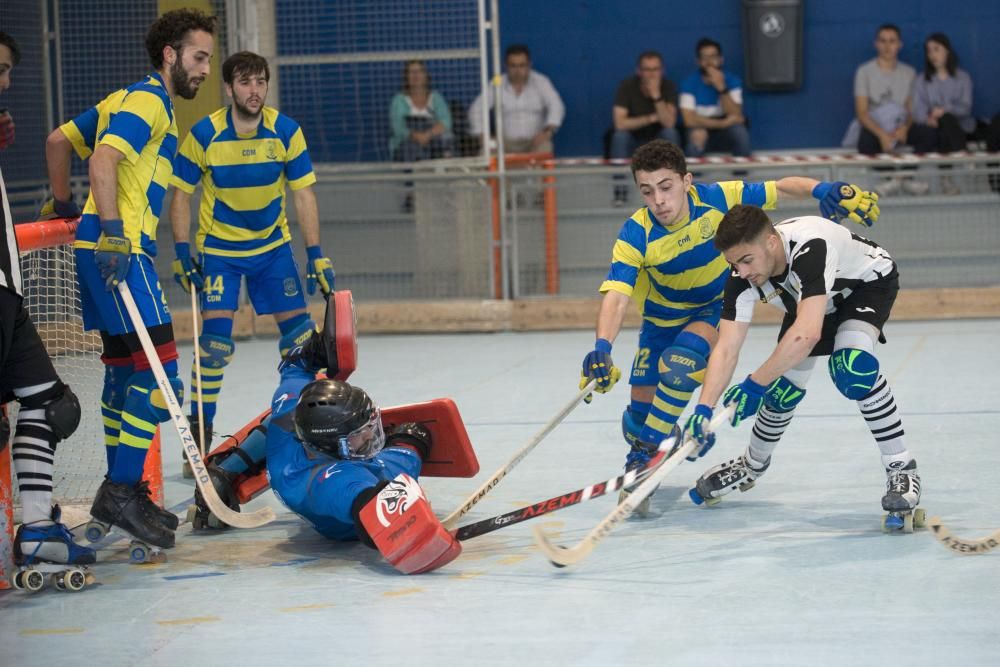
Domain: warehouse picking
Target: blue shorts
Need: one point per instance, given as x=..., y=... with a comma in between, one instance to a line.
x=653, y=340
x=272, y=281
x=104, y=310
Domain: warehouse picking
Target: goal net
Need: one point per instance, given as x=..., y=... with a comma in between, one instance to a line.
x=52, y=298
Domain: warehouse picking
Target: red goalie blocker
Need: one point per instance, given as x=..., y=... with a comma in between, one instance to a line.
x=340, y=326
x=451, y=451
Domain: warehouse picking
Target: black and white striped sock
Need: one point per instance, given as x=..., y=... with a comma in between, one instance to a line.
x=33, y=450
x=883, y=419
x=768, y=428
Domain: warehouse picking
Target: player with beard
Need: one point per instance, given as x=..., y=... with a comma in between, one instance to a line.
x=244, y=155
x=131, y=139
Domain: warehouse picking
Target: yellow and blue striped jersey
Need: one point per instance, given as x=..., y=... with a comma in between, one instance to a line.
x=672, y=271
x=138, y=121
x=243, y=179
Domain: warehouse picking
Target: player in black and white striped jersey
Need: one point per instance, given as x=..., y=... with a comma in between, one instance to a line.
x=837, y=290
x=49, y=411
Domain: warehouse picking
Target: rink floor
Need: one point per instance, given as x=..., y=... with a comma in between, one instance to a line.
x=795, y=572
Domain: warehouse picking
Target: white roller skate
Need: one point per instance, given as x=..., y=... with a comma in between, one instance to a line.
x=47, y=554
x=739, y=473
x=902, y=495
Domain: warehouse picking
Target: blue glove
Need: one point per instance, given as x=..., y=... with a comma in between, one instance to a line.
x=53, y=208
x=697, y=429
x=187, y=272
x=113, y=253
x=839, y=200
x=747, y=397
x=599, y=365
x=319, y=270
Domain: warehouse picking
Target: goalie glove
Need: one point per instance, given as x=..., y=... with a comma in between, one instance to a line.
x=839, y=200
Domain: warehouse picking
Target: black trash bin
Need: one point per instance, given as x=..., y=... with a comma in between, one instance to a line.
x=772, y=43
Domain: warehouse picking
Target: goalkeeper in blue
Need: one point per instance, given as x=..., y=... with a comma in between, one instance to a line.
x=664, y=261
x=244, y=155
x=836, y=290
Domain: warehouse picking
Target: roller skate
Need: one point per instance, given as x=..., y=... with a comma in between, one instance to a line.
x=47, y=554
x=902, y=495
x=199, y=515
x=638, y=458
x=739, y=473
x=130, y=509
x=186, y=471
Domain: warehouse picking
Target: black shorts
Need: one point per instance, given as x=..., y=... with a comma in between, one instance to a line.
x=24, y=362
x=870, y=303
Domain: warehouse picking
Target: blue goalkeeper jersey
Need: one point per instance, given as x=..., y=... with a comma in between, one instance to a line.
x=243, y=178
x=672, y=271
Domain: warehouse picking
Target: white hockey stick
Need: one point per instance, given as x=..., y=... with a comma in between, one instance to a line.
x=562, y=556
x=450, y=520
x=215, y=505
x=197, y=370
x=959, y=545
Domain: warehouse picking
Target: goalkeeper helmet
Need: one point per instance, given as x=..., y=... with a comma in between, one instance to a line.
x=339, y=419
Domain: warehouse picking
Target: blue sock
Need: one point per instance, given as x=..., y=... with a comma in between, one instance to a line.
x=291, y=323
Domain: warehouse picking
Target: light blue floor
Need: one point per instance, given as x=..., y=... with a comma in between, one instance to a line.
x=795, y=572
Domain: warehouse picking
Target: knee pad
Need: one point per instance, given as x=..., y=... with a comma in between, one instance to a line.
x=296, y=336
x=62, y=408
x=115, y=384
x=215, y=351
x=631, y=427
x=682, y=367
x=783, y=395
x=144, y=382
x=853, y=371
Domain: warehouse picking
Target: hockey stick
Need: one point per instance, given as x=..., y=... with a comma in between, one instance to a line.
x=557, y=503
x=219, y=509
x=959, y=545
x=197, y=370
x=449, y=521
x=562, y=556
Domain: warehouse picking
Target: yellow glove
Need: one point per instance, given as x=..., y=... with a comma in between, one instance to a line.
x=839, y=200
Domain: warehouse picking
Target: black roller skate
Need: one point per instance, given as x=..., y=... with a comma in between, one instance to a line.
x=47, y=554
x=739, y=473
x=199, y=514
x=902, y=495
x=129, y=508
x=196, y=430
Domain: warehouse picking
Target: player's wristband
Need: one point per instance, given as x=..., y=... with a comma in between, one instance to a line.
x=314, y=252
x=113, y=227
x=821, y=189
x=182, y=250
x=603, y=345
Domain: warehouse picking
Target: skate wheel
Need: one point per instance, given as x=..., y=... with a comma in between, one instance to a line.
x=891, y=522
x=712, y=501
x=908, y=522
x=138, y=552
x=17, y=581
x=695, y=497
x=919, y=518
x=213, y=522
x=59, y=581
x=747, y=486
x=75, y=580
x=94, y=531
x=32, y=580
x=192, y=516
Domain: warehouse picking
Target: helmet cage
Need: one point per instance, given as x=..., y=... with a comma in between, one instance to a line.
x=365, y=441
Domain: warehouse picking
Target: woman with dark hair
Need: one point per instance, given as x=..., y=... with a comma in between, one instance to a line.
x=420, y=119
x=942, y=103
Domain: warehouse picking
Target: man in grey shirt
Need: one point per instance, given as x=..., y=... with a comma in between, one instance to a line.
x=882, y=104
x=532, y=109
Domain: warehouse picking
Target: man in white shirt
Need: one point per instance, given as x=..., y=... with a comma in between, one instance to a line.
x=531, y=106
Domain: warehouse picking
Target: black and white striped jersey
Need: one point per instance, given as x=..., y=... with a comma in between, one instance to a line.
x=823, y=258
x=10, y=265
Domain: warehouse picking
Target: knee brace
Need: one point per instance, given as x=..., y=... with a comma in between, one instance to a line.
x=296, y=336
x=783, y=395
x=682, y=365
x=144, y=382
x=62, y=408
x=215, y=351
x=853, y=371
x=631, y=426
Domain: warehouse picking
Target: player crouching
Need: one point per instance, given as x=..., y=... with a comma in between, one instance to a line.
x=330, y=460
